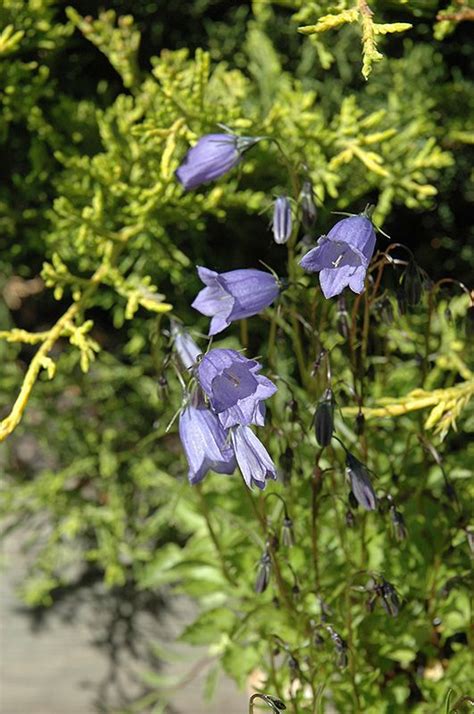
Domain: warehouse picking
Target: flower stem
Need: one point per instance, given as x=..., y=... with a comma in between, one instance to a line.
x=213, y=535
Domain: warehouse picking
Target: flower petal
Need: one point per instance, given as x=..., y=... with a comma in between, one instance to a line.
x=205, y=443
x=334, y=280
x=252, y=457
x=358, y=233
x=357, y=279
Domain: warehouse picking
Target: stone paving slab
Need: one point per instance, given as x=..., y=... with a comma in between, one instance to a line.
x=58, y=669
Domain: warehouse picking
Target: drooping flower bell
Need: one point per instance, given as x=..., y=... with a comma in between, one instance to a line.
x=343, y=256
x=187, y=350
x=205, y=443
x=252, y=457
x=360, y=483
x=211, y=157
x=235, y=389
x=234, y=295
x=282, y=221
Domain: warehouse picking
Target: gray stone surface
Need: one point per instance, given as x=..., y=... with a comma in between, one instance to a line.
x=60, y=667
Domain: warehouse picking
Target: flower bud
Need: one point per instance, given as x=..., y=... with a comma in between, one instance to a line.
x=263, y=575
x=309, y=211
x=412, y=284
x=360, y=423
x=282, y=220
x=286, y=465
x=389, y=597
x=398, y=523
x=294, y=667
x=350, y=518
x=324, y=418
x=360, y=483
x=287, y=538
x=401, y=301
x=274, y=702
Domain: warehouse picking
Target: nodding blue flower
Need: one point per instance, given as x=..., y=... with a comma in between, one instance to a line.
x=211, y=157
x=360, y=483
x=205, y=443
x=282, y=221
x=235, y=389
x=234, y=295
x=343, y=256
x=252, y=457
x=187, y=349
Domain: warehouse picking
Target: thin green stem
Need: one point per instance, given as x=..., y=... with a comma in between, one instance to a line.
x=244, y=333
x=213, y=535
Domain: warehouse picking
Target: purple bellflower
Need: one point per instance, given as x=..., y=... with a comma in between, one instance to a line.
x=187, y=349
x=211, y=157
x=205, y=443
x=235, y=389
x=252, y=457
x=282, y=220
x=343, y=256
x=234, y=295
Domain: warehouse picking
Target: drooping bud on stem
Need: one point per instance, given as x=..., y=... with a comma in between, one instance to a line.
x=282, y=220
x=309, y=211
x=324, y=418
x=263, y=574
x=360, y=483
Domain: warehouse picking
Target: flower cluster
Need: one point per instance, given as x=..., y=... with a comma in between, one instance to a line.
x=214, y=426
x=229, y=396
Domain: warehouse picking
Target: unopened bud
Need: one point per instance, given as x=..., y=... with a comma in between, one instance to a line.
x=412, y=283
x=360, y=423
x=398, y=523
x=350, y=518
x=282, y=220
x=274, y=702
x=324, y=418
x=286, y=465
x=360, y=483
x=263, y=575
x=309, y=211
x=287, y=538
x=401, y=301
x=390, y=601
